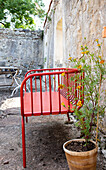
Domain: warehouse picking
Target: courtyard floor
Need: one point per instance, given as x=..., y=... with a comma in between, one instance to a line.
x=45, y=136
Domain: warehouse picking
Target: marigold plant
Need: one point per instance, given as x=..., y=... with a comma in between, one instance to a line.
x=93, y=65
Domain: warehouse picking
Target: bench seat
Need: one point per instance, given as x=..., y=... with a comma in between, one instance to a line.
x=45, y=104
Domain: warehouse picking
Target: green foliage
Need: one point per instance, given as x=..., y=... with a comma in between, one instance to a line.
x=20, y=12
x=94, y=68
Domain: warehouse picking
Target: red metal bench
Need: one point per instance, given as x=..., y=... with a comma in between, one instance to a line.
x=43, y=91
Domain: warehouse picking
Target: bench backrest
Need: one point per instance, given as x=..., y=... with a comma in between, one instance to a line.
x=68, y=82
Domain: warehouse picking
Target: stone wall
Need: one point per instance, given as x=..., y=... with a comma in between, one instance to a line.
x=83, y=18
x=21, y=48
x=50, y=32
x=80, y=18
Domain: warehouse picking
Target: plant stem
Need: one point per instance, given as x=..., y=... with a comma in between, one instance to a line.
x=98, y=109
x=91, y=121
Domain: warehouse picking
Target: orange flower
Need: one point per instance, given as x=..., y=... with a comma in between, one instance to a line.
x=69, y=58
x=99, y=57
x=61, y=86
x=63, y=74
x=79, y=87
x=98, y=45
x=79, y=67
x=96, y=40
x=86, y=52
x=102, y=62
x=79, y=103
x=83, y=52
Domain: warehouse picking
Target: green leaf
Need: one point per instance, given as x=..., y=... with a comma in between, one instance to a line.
x=21, y=12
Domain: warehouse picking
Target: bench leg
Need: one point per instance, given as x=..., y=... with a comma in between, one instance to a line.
x=68, y=117
x=26, y=119
x=23, y=142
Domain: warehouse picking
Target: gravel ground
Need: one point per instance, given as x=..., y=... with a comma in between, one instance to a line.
x=45, y=136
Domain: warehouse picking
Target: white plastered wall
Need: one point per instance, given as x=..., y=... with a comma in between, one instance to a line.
x=58, y=45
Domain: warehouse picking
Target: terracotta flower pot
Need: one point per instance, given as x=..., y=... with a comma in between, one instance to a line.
x=81, y=160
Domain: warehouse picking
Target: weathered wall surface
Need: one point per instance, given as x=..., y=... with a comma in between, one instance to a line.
x=80, y=18
x=49, y=45
x=50, y=32
x=21, y=48
x=83, y=18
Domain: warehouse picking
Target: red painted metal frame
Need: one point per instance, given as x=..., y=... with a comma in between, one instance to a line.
x=31, y=99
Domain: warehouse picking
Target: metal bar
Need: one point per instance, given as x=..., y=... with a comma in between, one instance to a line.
x=31, y=88
x=45, y=84
x=61, y=79
x=54, y=82
x=52, y=69
x=22, y=101
x=35, y=84
x=25, y=86
x=82, y=87
x=23, y=142
x=26, y=119
x=76, y=89
x=50, y=94
x=73, y=84
x=68, y=92
x=41, y=102
x=59, y=95
x=68, y=97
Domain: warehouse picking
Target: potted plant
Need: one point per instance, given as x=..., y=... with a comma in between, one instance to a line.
x=82, y=153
